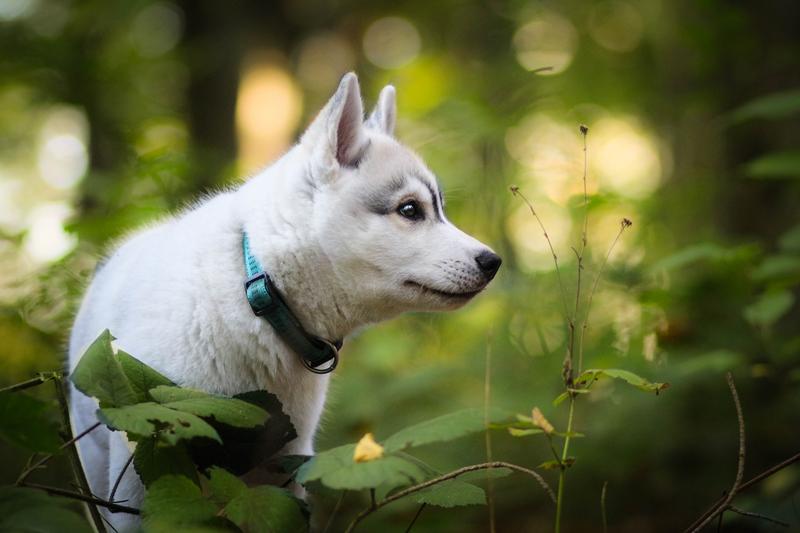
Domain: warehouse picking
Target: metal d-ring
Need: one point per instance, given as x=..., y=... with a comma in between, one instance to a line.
x=333, y=362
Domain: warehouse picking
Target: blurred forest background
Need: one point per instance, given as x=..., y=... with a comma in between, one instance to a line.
x=116, y=113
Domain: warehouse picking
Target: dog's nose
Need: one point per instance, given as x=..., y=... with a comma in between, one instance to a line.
x=488, y=262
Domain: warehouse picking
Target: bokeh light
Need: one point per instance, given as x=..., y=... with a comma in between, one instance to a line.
x=547, y=40
x=157, y=29
x=391, y=42
x=616, y=25
x=63, y=155
x=322, y=60
x=46, y=239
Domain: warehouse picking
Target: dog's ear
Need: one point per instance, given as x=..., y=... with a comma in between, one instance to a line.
x=384, y=115
x=337, y=135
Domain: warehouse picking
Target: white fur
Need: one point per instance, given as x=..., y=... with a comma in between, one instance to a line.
x=172, y=294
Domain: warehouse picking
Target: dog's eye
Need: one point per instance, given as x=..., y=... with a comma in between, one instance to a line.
x=410, y=210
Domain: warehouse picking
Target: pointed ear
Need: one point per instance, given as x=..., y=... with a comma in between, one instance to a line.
x=337, y=135
x=384, y=115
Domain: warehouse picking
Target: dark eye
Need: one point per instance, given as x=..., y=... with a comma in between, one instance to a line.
x=410, y=210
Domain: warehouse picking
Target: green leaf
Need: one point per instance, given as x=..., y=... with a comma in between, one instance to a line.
x=769, y=308
x=705, y=251
x=266, y=509
x=776, y=165
x=451, y=493
x=99, y=374
x=146, y=419
x=230, y=411
x=175, y=501
x=554, y=465
x=771, y=106
x=336, y=469
x=564, y=395
x=518, y=432
x=790, y=240
x=441, y=429
x=587, y=376
x=173, y=393
x=141, y=377
x=152, y=460
x=778, y=267
x=224, y=486
x=31, y=511
x=26, y=422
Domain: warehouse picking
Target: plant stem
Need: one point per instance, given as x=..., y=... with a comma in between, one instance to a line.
x=444, y=477
x=414, y=520
x=563, y=475
x=33, y=382
x=111, y=506
x=25, y=473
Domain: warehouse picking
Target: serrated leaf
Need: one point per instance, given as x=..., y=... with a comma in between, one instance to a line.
x=27, y=511
x=152, y=460
x=100, y=375
x=769, y=308
x=26, y=422
x=231, y=411
x=144, y=420
x=141, y=377
x=587, y=376
x=440, y=429
x=336, y=469
x=266, y=509
x=175, y=500
x=224, y=486
x=776, y=165
x=451, y=493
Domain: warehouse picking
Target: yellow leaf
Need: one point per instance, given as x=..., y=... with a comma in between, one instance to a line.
x=541, y=422
x=367, y=449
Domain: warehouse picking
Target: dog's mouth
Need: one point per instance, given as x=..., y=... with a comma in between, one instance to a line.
x=443, y=294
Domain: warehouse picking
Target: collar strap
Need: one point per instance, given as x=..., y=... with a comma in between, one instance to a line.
x=267, y=302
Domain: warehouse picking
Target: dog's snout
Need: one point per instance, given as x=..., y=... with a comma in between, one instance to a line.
x=488, y=262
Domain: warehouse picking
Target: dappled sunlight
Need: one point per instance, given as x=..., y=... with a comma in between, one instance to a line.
x=546, y=40
x=391, y=42
x=63, y=154
x=323, y=58
x=616, y=25
x=46, y=239
x=267, y=113
x=529, y=242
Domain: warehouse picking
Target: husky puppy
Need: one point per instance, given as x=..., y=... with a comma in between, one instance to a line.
x=350, y=226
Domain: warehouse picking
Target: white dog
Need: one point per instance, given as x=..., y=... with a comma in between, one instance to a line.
x=350, y=228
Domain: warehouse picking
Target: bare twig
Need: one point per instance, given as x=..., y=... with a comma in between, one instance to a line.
x=487, y=391
x=603, y=506
x=41, y=462
x=416, y=515
x=516, y=192
x=336, y=508
x=579, y=255
x=444, y=477
x=757, y=515
x=624, y=224
x=726, y=500
x=33, y=382
x=119, y=478
x=111, y=506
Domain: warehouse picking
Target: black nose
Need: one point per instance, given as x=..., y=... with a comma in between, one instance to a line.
x=488, y=262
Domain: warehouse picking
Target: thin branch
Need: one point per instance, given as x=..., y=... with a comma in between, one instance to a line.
x=757, y=515
x=119, y=478
x=579, y=255
x=624, y=224
x=111, y=506
x=72, y=452
x=603, y=506
x=516, y=192
x=726, y=500
x=444, y=477
x=41, y=462
x=487, y=392
x=416, y=515
x=33, y=382
x=332, y=517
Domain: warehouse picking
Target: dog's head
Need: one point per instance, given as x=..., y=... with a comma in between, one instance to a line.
x=378, y=213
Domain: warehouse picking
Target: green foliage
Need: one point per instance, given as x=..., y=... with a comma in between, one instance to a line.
x=775, y=165
x=141, y=377
x=440, y=429
x=153, y=459
x=772, y=106
x=587, y=377
x=769, y=308
x=26, y=422
x=451, y=493
x=230, y=411
x=100, y=374
x=27, y=510
x=143, y=420
x=266, y=509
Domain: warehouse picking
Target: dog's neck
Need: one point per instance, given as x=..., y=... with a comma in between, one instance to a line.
x=282, y=240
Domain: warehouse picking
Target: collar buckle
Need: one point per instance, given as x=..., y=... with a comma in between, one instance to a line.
x=259, y=296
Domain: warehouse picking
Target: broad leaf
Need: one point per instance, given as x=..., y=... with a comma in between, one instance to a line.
x=441, y=429
x=152, y=460
x=99, y=374
x=336, y=469
x=176, y=501
x=776, y=165
x=224, y=486
x=147, y=419
x=229, y=411
x=28, y=511
x=588, y=376
x=266, y=509
x=26, y=422
x=141, y=377
x=451, y=493
x=769, y=308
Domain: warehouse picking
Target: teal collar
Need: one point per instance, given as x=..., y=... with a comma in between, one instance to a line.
x=266, y=302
